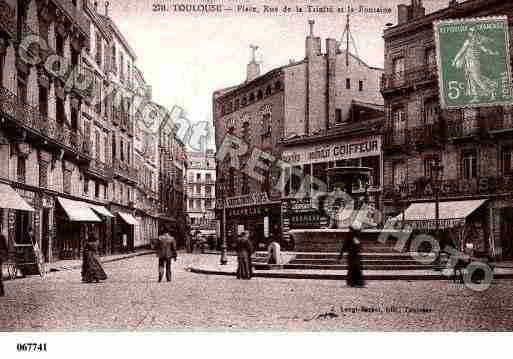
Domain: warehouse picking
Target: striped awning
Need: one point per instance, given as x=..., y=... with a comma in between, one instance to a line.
x=451, y=214
x=10, y=199
x=128, y=218
x=78, y=211
x=101, y=210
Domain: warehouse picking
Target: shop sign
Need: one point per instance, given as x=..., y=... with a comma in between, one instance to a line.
x=333, y=151
x=253, y=199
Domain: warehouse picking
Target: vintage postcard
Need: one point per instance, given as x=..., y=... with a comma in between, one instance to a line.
x=241, y=166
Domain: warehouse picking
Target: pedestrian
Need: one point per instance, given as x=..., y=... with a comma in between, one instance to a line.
x=165, y=251
x=124, y=241
x=29, y=236
x=244, y=252
x=352, y=246
x=274, y=253
x=92, y=269
x=3, y=255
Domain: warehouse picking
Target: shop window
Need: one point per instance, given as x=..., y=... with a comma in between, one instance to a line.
x=469, y=166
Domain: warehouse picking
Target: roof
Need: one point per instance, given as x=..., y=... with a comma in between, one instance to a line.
x=100, y=23
x=113, y=27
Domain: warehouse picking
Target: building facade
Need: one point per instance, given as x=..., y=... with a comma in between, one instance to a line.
x=201, y=179
x=473, y=146
x=73, y=163
x=301, y=113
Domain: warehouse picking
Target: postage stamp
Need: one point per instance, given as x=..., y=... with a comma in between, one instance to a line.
x=473, y=62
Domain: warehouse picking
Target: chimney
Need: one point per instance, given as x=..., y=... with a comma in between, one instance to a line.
x=313, y=44
x=417, y=10
x=453, y=3
x=402, y=14
x=253, y=68
x=331, y=82
x=96, y=6
x=106, y=8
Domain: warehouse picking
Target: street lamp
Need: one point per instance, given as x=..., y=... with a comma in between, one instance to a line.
x=437, y=174
x=222, y=190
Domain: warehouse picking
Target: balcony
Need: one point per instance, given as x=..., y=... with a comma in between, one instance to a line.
x=7, y=18
x=414, y=76
x=76, y=14
x=82, y=77
x=100, y=169
x=124, y=170
x=502, y=125
x=423, y=189
x=29, y=118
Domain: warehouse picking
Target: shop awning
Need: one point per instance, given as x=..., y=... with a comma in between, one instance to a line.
x=78, y=211
x=451, y=214
x=101, y=210
x=10, y=199
x=128, y=218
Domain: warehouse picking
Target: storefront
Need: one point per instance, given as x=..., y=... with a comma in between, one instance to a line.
x=254, y=213
x=460, y=223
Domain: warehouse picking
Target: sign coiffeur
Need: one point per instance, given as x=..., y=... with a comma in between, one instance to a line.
x=334, y=151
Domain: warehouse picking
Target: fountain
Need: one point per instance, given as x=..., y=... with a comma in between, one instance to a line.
x=344, y=204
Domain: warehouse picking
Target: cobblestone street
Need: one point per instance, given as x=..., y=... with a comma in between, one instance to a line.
x=131, y=299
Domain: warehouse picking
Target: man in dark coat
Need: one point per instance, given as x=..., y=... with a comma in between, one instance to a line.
x=3, y=254
x=244, y=252
x=166, y=250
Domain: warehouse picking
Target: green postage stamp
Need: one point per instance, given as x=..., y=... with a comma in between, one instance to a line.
x=473, y=62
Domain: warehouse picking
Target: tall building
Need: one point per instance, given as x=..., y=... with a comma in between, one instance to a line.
x=304, y=113
x=473, y=146
x=201, y=179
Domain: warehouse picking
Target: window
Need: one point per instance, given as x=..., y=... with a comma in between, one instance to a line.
x=507, y=160
x=113, y=146
x=245, y=184
x=431, y=110
x=198, y=189
x=399, y=173
x=60, y=112
x=86, y=187
x=43, y=102
x=122, y=149
x=21, y=169
x=97, y=145
x=114, y=60
x=268, y=91
x=360, y=85
x=260, y=95
x=198, y=177
x=469, y=164
x=104, y=192
x=398, y=65
x=430, y=57
x=191, y=205
x=338, y=115
x=208, y=204
x=74, y=120
x=251, y=97
x=208, y=177
x=348, y=84
x=59, y=45
x=277, y=86
x=469, y=123
x=22, y=87
x=429, y=161
x=121, y=67
x=244, y=101
x=198, y=204
x=98, y=55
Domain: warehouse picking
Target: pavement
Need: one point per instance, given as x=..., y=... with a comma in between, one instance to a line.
x=209, y=264
x=131, y=299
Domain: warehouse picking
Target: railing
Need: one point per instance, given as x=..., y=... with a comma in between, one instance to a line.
x=408, y=77
x=84, y=81
x=76, y=14
x=7, y=18
x=501, y=123
x=30, y=118
x=125, y=170
x=462, y=128
x=424, y=188
x=101, y=168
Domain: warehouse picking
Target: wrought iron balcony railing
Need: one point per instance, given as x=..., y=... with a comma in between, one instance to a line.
x=7, y=18
x=124, y=170
x=76, y=14
x=31, y=119
x=408, y=78
x=101, y=168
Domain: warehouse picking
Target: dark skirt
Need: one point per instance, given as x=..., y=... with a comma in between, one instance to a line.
x=354, y=271
x=92, y=270
x=244, y=270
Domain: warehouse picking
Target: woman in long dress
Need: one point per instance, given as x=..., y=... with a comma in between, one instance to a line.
x=352, y=246
x=468, y=57
x=92, y=270
x=244, y=252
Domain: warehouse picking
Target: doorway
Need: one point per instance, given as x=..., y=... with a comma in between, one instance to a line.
x=45, y=245
x=507, y=232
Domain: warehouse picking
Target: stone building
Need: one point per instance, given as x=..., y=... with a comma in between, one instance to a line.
x=474, y=146
x=289, y=113
x=201, y=179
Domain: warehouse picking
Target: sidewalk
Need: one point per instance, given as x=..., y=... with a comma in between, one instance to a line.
x=209, y=264
x=77, y=263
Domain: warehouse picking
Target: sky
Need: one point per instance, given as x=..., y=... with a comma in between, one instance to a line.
x=186, y=56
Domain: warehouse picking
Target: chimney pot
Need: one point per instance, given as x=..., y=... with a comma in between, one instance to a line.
x=106, y=8
x=311, y=23
x=96, y=6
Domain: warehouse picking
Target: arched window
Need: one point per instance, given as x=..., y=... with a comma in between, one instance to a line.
x=277, y=86
x=244, y=101
x=251, y=97
x=268, y=91
x=260, y=95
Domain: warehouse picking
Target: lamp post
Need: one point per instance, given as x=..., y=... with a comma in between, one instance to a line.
x=222, y=190
x=436, y=174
